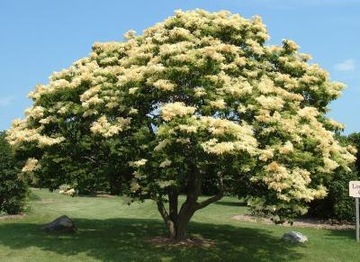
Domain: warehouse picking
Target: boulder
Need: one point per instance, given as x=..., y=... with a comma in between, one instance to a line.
x=294, y=237
x=62, y=224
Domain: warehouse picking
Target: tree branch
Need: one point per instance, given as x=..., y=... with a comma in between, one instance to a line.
x=90, y=159
x=162, y=210
x=173, y=204
x=167, y=219
x=212, y=199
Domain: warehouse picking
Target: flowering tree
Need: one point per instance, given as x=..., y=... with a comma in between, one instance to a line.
x=197, y=96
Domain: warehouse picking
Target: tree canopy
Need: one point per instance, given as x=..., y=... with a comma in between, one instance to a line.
x=197, y=96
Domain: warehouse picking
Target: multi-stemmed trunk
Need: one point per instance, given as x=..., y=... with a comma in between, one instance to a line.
x=177, y=220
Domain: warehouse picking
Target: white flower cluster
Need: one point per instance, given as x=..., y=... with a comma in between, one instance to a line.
x=177, y=109
x=31, y=165
x=20, y=133
x=244, y=139
x=165, y=163
x=139, y=163
x=218, y=104
x=164, y=85
x=103, y=127
x=35, y=112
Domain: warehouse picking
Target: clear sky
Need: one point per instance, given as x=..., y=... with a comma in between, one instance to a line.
x=39, y=37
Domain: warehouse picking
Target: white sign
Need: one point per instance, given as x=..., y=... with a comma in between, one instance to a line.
x=354, y=188
x=354, y=191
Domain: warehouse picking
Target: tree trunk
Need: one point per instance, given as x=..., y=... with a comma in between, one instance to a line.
x=182, y=222
x=181, y=230
x=177, y=221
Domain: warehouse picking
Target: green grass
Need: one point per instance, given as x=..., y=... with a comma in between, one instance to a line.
x=110, y=230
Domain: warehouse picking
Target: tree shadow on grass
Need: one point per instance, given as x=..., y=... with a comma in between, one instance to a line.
x=125, y=240
x=231, y=203
x=344, y=235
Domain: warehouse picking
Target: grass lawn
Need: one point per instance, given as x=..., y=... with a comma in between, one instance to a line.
x=109, y=230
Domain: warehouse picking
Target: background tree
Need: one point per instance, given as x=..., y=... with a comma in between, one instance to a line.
x=197, y=96
x=354, y=139
x=337, y=205
x=12, y=189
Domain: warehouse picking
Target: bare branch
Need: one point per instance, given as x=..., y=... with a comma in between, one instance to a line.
x=90, y=159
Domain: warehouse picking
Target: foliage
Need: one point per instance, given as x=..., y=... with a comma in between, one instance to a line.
x=337, y=204
x=354, y=139
x=198, y=95
x=12, y=190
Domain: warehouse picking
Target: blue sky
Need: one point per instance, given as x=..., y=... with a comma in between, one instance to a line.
x=39, y=37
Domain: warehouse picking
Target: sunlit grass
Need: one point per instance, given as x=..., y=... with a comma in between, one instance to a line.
x=110, y=230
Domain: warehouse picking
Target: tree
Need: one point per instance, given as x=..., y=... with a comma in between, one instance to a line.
x=354, y=138
x=13, y=189
x=337, y=204
x=197, y=96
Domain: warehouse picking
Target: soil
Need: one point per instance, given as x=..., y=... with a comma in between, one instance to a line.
x=303, y=222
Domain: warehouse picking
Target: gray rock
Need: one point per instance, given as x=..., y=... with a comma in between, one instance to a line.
x=294, y=237
x=62, y=224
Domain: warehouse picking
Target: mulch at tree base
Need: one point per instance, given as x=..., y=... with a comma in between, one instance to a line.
x=190, y=242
